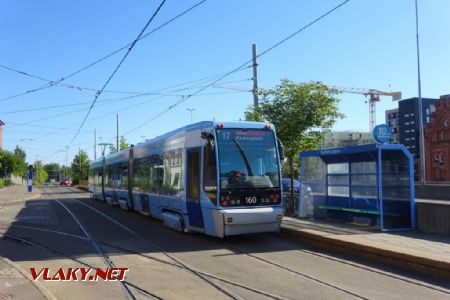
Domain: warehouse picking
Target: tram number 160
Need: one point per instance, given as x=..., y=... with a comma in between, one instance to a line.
x=251, y=200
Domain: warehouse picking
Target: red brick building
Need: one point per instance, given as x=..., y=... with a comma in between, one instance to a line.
x=437, y=142
x=1, y=134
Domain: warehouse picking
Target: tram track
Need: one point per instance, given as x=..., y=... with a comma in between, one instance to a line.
x=183, y=265
x=110, y=263
x=337, y=260
x=297, y=273
x=223, y=284
x=124, y=285
x=291, y=271
x=362, y=267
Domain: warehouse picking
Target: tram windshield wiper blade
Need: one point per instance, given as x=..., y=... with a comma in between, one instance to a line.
x=245, y=157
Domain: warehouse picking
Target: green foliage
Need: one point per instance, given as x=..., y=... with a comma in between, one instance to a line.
x=299, y=111
x=20, y=166
x=13, y=163
x=122, y=145
x=82, y=160
x=5, y=182
x=52, y=168
x=40, y=175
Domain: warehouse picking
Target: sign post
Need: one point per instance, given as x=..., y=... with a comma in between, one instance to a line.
x=382, y=133
x=30, y=178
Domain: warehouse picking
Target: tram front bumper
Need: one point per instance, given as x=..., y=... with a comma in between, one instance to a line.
x=247, y=220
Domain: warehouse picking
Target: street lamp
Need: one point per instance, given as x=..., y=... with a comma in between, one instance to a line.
x=191, y=110
x=420, y=106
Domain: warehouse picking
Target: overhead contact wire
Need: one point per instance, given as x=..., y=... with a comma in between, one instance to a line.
x=117, y=68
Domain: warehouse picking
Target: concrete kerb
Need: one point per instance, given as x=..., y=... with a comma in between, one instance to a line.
x=43, y=290
x=421, y=264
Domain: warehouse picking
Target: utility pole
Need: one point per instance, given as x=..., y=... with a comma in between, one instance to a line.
x=95, y=144
x=255, y=77
x=117, y=129
x=421, y=126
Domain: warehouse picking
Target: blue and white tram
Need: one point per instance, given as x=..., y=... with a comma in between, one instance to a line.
x=216, y=178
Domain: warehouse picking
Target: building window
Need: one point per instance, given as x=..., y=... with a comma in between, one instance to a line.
x=406, y=131
x=411, y=115
x=412, y=130
x=407, y=139
x=412, y=122
x=406, y=123
x=412, y=139
x=407, y=115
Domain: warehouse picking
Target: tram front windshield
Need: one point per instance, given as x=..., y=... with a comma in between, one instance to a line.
x=247, y=159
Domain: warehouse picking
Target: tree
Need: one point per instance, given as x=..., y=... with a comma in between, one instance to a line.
x=82, y=160
x=20, y=152
x=6, y=164
x=13, y=163
x=40, y=174
x=20, y=167
x=300, y=113
x=53, y=170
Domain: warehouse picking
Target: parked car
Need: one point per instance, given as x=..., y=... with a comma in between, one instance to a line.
x=286, y=182
x=66, y=182
x=307, y=206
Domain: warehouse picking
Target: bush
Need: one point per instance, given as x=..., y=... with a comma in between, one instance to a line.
x=8, y=182
x=2, y=183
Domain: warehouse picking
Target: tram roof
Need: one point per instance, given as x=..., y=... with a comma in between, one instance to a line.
x=123, y=155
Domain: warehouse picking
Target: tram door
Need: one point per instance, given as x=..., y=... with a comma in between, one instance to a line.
x=193, y=187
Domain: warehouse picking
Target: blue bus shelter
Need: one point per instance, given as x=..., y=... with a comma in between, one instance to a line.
x=371, y=184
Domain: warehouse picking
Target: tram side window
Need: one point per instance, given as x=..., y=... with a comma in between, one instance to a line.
x=124, y=178
x=210, y=173
x=109, y=178
x=176, y=172
x=156, y=174
x=144, y=176
x=99, y=179
x=90, y=177
x=171, y=177
x=136, y=177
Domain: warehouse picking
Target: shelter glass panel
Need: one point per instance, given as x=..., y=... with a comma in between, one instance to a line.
x=396, y=190
x=313, y=187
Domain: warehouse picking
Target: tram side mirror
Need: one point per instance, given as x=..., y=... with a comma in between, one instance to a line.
x=280, y=149
x=208, y=137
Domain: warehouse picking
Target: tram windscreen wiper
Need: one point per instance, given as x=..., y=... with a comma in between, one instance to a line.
x=244, y=157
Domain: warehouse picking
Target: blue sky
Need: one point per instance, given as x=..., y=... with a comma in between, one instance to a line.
x=364, y=44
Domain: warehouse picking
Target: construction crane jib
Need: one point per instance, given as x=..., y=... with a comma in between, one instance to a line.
x=374, y=97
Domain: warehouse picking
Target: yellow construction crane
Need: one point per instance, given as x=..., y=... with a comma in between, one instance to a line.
x=374, y=97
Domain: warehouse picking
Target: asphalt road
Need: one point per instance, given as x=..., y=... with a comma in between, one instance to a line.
x=64, y=228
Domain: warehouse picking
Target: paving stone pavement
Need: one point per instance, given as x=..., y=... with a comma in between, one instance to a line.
x=432, y=251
